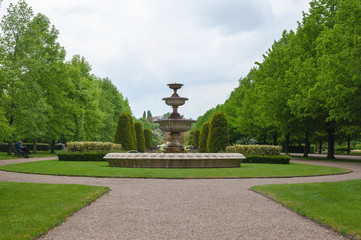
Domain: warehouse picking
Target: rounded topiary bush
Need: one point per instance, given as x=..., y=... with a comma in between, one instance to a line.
x=218, y=137
x=148, y=138
x=203, y=137
x=124, y=133
x=140, y=137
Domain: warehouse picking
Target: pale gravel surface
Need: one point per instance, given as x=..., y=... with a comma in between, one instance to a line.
x=185, y=209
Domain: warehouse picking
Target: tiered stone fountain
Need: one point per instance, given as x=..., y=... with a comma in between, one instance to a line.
x=175, y=156
x=175, y=124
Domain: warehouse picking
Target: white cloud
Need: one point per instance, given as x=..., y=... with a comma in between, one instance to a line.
x=142, y=45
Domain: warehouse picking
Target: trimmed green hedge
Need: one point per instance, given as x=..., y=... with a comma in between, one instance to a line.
x=92, y=146
x=255, y=149
x=280, y=159
x=82, y=156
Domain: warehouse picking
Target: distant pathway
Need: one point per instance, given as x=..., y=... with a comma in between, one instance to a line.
x=342, y=157
x=186, y=209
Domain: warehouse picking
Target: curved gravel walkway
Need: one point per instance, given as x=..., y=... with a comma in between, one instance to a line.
x=186, y=209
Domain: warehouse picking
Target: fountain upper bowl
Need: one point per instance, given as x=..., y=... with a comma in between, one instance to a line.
x=175, y=101
x=175, y=125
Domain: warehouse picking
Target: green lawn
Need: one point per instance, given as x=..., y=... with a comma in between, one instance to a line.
x=335, y=204
x=102, y=169
x=4, y=156
x=30, y=209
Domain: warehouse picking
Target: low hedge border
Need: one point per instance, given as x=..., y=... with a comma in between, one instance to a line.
x=82, y=156
x=255, y=149
x=280, y=159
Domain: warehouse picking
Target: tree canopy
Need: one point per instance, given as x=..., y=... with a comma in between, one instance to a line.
x=307, y=85
x=44, y=96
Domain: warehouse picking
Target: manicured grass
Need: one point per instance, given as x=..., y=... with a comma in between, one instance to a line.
x=30, y=209
x=326, y=159
x=4, y=156
x=102, y=169
x=335, y=204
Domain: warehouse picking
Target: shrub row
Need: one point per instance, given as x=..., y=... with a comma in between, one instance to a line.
x=82, y=156
x=255, y=149
x=92, y=146
x=39, y=146
x=280, y=159
x=342, y=149
x=300, y=149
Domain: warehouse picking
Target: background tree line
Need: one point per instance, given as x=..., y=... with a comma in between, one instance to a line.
x=308, y=86
x=42, y=95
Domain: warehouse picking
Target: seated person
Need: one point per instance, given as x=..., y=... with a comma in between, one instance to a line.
x=20, y=148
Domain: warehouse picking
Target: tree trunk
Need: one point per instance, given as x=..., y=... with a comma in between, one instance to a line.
x=10, y=149
x=52, y=146
x=264, y=139
x=348, y=145
x=320, y=149
x=331, y=143
x=275, y=140
x=287, y=144
x=307, y=146
x=35, y=142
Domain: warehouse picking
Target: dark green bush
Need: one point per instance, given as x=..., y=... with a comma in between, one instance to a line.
x=277, y=159
x=81, y=156
x=140, y=137
x=203, y=137
x=218, y=137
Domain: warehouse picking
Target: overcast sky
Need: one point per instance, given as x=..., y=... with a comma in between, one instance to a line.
x=142, y=45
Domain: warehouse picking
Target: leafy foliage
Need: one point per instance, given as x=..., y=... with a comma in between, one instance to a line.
x=41, y=95
x=307, y=87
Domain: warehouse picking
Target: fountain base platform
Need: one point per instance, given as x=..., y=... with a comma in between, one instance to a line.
x=174, y=160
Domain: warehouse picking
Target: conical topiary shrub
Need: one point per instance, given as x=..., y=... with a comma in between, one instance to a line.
x=140, y=137
x=196, y=135
x=203, y=137
x=123, y=134
x=134, y=137
x=191, y=138
x=148, y=138
x=218, y=137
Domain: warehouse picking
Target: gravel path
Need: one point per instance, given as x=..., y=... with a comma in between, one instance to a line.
x=186, y=209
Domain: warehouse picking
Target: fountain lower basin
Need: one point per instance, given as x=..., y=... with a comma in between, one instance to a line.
x=174, y=160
